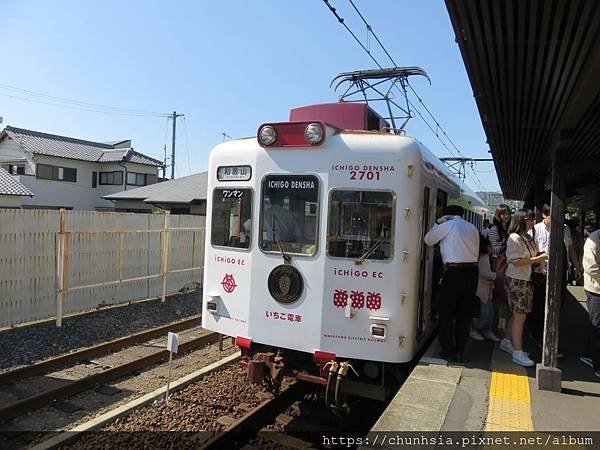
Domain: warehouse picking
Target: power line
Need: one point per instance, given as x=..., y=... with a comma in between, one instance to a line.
x=438, y=125
x=341, y=20
x=52, y=100
x=370, y=31
x=114, y=113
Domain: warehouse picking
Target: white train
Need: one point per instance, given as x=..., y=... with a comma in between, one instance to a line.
x=315, y=260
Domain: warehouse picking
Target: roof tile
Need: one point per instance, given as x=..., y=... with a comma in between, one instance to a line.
x=65, y=147
x=10, y=186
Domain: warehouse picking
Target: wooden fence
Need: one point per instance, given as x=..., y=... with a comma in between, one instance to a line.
x=59, y=262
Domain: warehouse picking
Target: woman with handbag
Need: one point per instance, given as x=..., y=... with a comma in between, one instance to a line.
x=521, y=254
x=498, y=235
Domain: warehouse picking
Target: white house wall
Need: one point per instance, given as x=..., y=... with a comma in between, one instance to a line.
x=11, y=152
x=10, y=201
x=79, y=195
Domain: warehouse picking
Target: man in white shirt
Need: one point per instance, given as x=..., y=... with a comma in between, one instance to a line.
x=459, y=246
x=591, y=284
x=541, y=232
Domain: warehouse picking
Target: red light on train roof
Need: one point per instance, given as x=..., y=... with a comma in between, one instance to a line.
x=291, y=134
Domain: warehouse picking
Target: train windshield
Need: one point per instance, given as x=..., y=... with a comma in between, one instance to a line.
x=231, y=218
x=360, y=224
x=289, y=214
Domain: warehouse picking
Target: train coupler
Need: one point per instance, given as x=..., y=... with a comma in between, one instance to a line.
x=265, y=367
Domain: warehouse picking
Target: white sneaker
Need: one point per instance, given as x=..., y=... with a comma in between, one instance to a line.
x=489, y=335
x=474, y=334
x=506, y=345
x=522, y=359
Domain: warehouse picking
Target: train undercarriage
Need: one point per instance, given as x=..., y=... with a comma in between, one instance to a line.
x=341, y=379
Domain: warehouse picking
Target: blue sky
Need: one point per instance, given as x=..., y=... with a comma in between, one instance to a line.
x=228, y=66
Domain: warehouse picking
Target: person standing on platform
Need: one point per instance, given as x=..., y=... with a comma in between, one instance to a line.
x=459, y=246
x=482, y=327
x=522, y=254
x=541, y=232
x=577, y=255
x=498, y=235
x=591, y=284
x=485, y=231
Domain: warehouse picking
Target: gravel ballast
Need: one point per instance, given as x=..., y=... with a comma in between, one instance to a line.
x=208, y=405
x=29, y=344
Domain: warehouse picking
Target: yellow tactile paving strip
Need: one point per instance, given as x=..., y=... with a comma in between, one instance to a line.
x=509, y=400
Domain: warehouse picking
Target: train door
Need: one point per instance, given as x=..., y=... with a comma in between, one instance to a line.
x=425, y=257
x=441, y=201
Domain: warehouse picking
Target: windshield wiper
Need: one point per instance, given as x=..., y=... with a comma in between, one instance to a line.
x=369, y=251
x=286, y=258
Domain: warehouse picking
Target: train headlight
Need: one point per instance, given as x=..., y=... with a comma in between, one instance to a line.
x=267, y=135
x=378, y=331
x=314, y=133
x=212, y=303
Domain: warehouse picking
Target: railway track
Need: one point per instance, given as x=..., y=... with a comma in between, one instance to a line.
x=18, y=380
x=296, y=418
x=95, y=351
x=221, y=410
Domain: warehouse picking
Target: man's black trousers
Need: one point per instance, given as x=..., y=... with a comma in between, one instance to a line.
x=457, y=306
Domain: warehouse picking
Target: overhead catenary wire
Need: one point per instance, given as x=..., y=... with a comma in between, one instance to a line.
x=438, y=125
x=341, y=20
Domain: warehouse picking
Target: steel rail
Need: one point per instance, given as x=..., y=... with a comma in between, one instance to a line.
x=76, y=386
x=251, y=421
x=74, y=357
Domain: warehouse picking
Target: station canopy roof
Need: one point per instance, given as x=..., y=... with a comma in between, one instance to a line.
x=534, y=67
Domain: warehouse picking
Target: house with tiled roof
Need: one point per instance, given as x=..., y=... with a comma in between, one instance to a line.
x=11, y=191
x=184, y=195
x=65, y=172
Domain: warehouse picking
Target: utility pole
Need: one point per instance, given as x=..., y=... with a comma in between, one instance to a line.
x=174, y=116
x=164, y=167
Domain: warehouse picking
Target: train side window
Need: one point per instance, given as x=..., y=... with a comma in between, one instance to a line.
x=290, y=214
x=231, y=218
x=441, y=200
x=360, y=224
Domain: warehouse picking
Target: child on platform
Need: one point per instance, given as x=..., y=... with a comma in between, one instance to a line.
x=482, y=327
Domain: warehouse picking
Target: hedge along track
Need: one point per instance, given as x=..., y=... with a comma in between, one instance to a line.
x=73, y=387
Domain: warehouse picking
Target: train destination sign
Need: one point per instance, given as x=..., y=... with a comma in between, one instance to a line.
x=291, y=183
x=234, y=173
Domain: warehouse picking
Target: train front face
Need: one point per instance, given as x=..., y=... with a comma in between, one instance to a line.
x=313, y=250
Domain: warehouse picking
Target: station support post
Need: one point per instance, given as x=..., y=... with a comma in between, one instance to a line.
x=548, y=375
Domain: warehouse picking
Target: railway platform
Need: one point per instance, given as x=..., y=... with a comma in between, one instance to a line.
x=488, y=392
